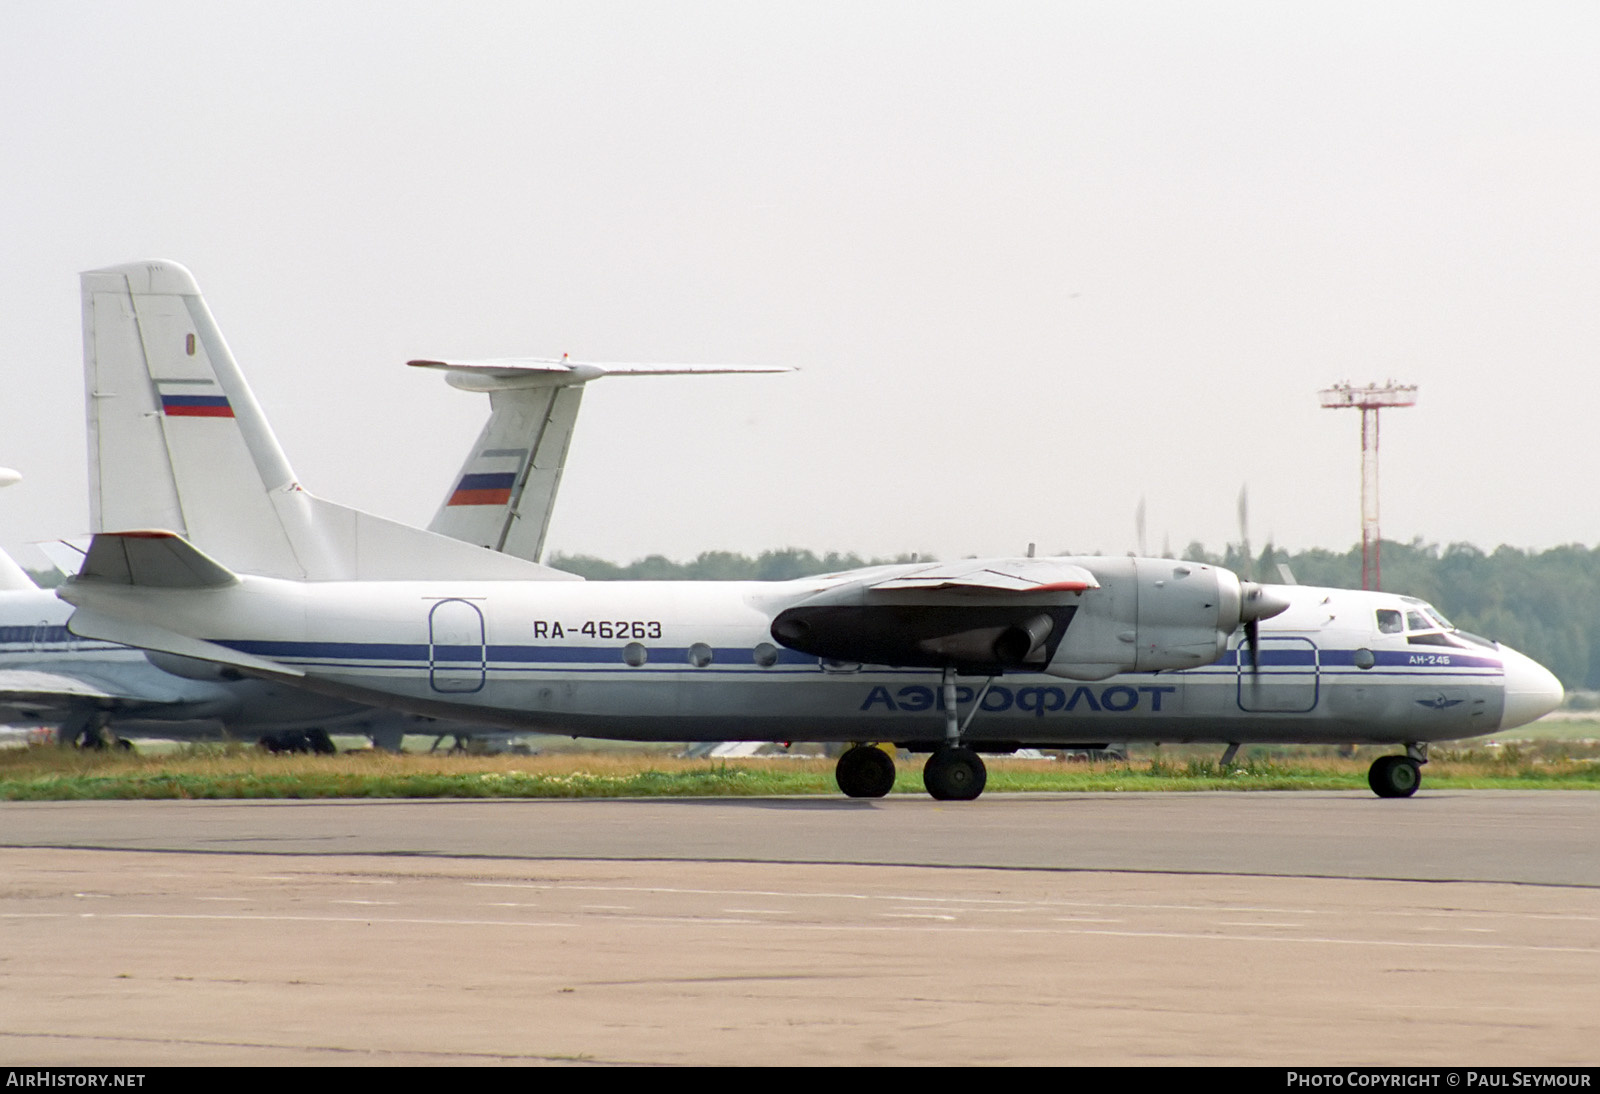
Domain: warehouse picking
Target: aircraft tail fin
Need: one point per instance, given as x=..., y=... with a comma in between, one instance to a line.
x=177, y=442
x=505, y=493
x=14, y=578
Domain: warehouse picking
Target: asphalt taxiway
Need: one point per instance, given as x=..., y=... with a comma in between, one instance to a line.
x=1452, y=929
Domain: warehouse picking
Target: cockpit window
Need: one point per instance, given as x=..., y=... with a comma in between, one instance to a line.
x=1440, y=621
x=1435, y=639
x=1416, y=621
x=1389, y=621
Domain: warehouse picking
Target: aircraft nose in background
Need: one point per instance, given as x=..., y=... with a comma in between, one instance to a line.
x=1532, y=690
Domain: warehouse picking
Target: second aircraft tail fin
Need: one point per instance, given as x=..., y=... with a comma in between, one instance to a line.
x=505, y=493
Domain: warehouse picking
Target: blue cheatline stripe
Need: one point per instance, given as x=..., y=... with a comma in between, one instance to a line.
x=1328, y=658
x=31, y=634
x=660, y=656
x=670, y=658
x=344, y=651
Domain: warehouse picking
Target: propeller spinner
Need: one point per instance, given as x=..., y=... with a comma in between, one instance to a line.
x=1255, y=604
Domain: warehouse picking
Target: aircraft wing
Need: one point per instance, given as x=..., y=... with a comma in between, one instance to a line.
x=28, y=695
x=988, y=614
x=1043, y=575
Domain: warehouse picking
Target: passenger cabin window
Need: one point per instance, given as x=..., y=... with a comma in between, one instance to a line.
x=1389, y=621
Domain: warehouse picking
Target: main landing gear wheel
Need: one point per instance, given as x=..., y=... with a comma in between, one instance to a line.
x=865, y=771
x=1394, y=776
x=954, y=774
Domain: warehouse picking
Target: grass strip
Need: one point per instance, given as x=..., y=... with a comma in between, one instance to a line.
x=51, y=774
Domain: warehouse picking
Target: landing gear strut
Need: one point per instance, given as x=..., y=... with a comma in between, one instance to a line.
x=955, y=773
x=865, y=771
x=92, y=732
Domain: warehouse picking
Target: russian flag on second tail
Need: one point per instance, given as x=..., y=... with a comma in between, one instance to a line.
x=489, y=488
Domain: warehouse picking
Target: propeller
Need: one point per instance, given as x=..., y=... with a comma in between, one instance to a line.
x=1256, y=602
x=1244, y=530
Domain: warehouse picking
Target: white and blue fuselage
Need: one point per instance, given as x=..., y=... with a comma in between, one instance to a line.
x=682, y=661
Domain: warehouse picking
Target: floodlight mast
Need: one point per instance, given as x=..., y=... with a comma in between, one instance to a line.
x=1369, y=400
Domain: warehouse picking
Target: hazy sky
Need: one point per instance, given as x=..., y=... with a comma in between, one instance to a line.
x=1036, y=261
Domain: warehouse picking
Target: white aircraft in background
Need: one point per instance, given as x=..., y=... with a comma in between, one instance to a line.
x=99, y=692
x=1057, y=652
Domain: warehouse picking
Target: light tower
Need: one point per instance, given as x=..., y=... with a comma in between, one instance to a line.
x=1369, y=400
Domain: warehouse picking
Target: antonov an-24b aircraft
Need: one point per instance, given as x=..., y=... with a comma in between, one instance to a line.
x=982, y=655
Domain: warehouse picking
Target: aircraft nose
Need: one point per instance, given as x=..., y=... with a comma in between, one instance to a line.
x=1532, y=690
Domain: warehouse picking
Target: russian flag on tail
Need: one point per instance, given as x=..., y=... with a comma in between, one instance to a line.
x=196, y=406
x=490, y=488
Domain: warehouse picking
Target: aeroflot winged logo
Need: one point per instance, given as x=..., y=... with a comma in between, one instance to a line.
x=1439, y=702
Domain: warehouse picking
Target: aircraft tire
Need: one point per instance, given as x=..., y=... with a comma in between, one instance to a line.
x=954, y=774
x=320, y=742
x=1394, y=776
x=865, y=771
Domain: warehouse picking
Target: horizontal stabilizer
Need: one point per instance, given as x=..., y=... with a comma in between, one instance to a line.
x=1023, y=575
x=66, y=555
x=504, y=373
x=157, y=559
x=88, y=623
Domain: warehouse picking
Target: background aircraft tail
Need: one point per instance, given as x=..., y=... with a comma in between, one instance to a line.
x=177, y=442
x=506, y=490
x=13, y=578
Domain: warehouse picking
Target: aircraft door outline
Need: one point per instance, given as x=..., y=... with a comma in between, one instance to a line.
x=457, y=656
x=1289, y=681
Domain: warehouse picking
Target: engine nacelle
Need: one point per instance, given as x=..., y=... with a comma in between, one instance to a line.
x=1084, y=619
x=192, y=668
x=1156, y=614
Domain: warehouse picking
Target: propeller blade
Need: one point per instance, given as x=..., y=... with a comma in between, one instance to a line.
x=1244, y=531
x=1257, y=603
